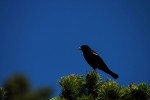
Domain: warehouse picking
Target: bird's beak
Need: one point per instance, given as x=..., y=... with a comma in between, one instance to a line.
x=79, y=48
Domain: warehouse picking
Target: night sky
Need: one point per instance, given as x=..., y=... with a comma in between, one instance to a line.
x=40, y=38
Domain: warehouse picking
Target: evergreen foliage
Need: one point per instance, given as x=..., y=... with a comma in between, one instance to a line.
x=2, y=93
x=92, y=87
x=18, y=87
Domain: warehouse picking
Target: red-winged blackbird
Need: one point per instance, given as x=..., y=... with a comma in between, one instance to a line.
x=95, y=61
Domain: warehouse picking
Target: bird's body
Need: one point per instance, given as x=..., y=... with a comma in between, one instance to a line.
x=95, y=61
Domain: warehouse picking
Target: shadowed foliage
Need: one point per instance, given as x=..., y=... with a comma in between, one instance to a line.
x=2, y=93
x=92, y=87
x=18, y=87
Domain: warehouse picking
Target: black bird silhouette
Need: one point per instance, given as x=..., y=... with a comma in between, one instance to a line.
x=95, y=61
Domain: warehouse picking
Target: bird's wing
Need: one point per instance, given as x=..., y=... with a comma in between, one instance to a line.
x=99, y=60
x=94, y=53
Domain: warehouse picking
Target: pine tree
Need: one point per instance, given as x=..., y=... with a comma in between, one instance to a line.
x=2, y=93
x=18, y=87
x=92, y=87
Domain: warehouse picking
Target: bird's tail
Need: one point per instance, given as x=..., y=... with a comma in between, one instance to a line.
x=114, y=75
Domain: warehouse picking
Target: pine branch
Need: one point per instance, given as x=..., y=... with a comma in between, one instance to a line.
x=92, y=87
x=2, y=93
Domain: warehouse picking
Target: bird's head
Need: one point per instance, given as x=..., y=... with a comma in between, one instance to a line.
x=85, y=48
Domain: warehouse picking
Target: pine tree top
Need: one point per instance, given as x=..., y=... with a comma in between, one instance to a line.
x=92, y=87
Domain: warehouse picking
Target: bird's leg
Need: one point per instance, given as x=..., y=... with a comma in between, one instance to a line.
x=94, y=69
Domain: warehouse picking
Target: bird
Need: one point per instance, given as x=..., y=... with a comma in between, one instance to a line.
x=95, y=61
